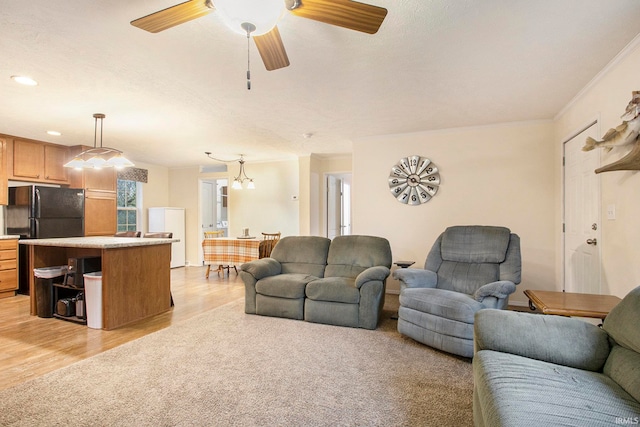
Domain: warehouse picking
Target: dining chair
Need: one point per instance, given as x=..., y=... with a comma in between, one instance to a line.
x=127, y=234
x=213, y=235
x=159, y=235
x=269, y=240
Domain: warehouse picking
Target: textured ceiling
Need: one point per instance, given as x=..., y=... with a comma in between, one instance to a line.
x=168, y=97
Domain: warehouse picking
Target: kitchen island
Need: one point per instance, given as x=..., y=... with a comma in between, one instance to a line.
x=136, y=272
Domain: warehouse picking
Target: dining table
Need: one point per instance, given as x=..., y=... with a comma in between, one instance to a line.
x=229, y=251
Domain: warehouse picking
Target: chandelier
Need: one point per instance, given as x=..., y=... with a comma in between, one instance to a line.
x=99, y=157
x=242, y=175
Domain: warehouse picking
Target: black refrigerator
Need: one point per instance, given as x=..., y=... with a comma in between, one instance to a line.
x=39, y=212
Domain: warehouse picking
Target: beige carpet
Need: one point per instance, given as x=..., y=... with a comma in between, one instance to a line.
x=226, y=368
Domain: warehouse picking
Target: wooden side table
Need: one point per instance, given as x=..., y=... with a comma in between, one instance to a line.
x=571, y=304
x=401, y=264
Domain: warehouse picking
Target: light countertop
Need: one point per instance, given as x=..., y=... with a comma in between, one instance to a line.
x=8, y=237
x=99, y=242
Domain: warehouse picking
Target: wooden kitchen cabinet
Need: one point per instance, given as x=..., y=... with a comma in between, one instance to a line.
x=103, y=179
x=54, y=159
x=100, y=213
x=4, y=190
x=100, y=191
x=37, y=161
x=8, y=267
x=28, y=159
x=92, y=179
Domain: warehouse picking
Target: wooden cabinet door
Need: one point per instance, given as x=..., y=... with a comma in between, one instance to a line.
x=103, y=179
x=4, y=192
x=54, y=159
x=8, y=267
x=28, y=159
x=100, y=213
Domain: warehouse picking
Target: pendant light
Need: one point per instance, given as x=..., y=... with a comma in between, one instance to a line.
x=99, y=157
x=242, y=175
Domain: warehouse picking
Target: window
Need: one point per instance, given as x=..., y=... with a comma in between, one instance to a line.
x=127, y=205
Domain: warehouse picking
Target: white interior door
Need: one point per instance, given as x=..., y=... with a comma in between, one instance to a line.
x=582, y=263
x=334, y=207
x=346, y=205
x=208, y=206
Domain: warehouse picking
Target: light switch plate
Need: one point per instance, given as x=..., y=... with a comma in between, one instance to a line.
x=611, y=211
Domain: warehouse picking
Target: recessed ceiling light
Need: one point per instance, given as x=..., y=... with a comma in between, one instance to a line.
x=54, y=132
x=24, y=80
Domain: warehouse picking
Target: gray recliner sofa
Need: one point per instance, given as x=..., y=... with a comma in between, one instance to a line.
x=532, y=369
x=339, y=282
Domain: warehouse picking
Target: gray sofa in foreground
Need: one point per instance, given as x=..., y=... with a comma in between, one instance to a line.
x=532, y=369
x=337, y=282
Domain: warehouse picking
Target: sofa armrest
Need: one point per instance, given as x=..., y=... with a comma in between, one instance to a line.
x=261, y=268
x=500, y=289
x=379, y=272
x=555, y=339
x=416, y=277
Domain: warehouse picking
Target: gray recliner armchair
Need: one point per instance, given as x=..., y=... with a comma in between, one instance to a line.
x=468, y=268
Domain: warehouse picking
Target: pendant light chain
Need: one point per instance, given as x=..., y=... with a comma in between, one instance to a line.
x=95, y=133
x=101, y=127
x=249, y=28
x=248, y=60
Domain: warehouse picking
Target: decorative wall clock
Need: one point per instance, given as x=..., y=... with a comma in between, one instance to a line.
x=414, y=180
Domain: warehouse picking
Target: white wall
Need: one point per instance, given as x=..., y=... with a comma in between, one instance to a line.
x=321, y=166
x=154, y=192
x=493, y=175
x=184, y=189
x=506, y=174
x=606, y=97
x=268, y=208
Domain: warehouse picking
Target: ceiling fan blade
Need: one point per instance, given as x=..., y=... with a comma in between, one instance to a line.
x=174, y=15
x=343, y=13
x=272, y=50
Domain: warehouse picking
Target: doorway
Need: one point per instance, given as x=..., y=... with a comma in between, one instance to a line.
x=213, y=207
x=581, y=252
x=338, y=205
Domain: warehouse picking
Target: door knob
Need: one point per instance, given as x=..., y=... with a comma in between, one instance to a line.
x=592, y=242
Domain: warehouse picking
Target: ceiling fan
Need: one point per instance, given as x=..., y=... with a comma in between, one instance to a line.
x=258, y=19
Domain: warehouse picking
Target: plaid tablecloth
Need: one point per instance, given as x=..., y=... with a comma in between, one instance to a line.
x=229, y=250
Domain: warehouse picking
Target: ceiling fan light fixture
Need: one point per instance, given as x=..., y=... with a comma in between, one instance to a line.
x=262, y=14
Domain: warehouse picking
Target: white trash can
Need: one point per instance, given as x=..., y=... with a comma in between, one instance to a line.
x=93, y=299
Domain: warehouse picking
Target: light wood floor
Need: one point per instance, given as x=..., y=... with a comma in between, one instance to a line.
x=31, y=346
